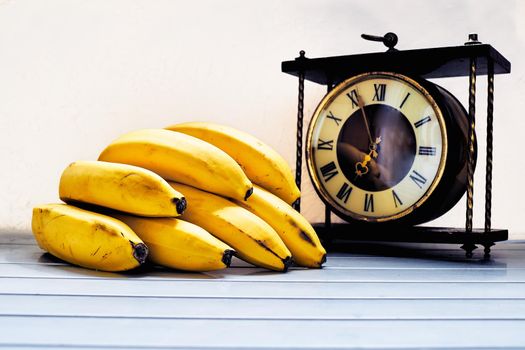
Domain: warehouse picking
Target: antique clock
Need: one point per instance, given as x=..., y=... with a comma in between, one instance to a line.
x=386, y=149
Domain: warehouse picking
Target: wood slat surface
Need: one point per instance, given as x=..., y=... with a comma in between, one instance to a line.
x=367, y=296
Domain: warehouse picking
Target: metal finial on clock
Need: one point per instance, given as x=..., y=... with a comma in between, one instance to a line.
x=389, y=39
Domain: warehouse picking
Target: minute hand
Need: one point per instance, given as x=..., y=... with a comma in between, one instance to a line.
x=361, y=106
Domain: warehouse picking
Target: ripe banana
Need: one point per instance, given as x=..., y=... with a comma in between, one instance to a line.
x=263, y=165
x=295, y=231
x=182, y=158
x=87, y=239
x=120, y=186
x=179, y=244
x=253, y=239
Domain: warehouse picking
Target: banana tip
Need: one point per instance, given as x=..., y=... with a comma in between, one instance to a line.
x=248, y=193
x=180, y=204
x=227, y=257
x=287, y=262
x=140, y=252
x=323, y=260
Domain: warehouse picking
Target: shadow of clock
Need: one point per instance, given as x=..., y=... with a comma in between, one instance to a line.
x=447, y=255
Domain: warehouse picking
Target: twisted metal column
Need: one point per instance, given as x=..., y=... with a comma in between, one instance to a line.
x=490, y=118
x=299, y=146
x=327, y=211
x=470, y=145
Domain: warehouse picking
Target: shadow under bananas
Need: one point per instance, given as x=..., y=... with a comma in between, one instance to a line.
x=149, y=271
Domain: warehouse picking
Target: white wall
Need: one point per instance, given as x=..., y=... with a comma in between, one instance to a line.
x=76, y=74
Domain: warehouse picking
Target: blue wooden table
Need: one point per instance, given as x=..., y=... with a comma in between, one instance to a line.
x=369, y=296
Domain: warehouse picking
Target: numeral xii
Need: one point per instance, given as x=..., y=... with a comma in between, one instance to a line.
x=379, y=92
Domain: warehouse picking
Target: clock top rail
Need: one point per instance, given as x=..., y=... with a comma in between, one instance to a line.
x=442, y=62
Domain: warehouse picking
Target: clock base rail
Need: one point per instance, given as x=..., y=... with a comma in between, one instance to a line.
x=347, y=233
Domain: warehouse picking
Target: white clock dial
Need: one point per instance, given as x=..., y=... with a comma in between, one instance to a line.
x=377, y=146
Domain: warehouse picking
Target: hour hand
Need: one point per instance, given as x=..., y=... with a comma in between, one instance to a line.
x=373, y=147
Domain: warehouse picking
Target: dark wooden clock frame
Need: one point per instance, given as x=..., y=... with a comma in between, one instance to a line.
x=471, y=59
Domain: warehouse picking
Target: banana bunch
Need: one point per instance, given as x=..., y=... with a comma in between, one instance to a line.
x=187, y=197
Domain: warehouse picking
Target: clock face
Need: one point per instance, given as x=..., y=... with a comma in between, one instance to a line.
x=376, y=147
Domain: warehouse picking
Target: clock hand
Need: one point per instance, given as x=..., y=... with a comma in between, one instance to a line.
x=373, y=147
x=365, y=119
x=361, y=168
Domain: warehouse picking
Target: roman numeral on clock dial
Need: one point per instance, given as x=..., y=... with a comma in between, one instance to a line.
x=344, y=192
x=369, y=202
x=404, y=100
x=379, y=94
x=427, y=151
x=329, y=171
x=328, y=145
x=397, y=200
x=352, y=95
x=330, y=115
x=422, y=121
x=418, y=179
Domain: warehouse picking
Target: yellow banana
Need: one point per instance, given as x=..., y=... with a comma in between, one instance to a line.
x=87, y=239
x=262, y=164
x=120, y=186
x=295, y=231
x=182, y=158
x=179, y=244
x=253, y=239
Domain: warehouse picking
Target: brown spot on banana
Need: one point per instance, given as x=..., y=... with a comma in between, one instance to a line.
x=96, y=251
x=56, y=217
x=306, y=237
x=287, y=261
x=125, y=176
x=303, y=235
x=98, y=226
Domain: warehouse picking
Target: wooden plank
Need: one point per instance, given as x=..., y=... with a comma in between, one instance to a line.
x=17, y=238
x=24, y=254
x=126, y=333
x=247, y=308
x=262, y=290
x=257, y=275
